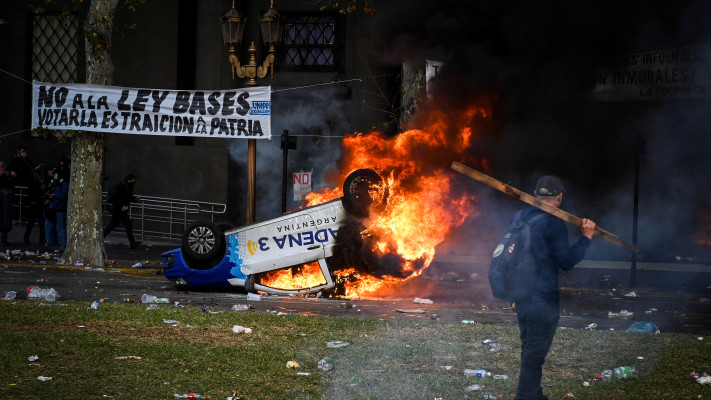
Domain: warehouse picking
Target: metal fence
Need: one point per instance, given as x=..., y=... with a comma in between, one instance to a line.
x=154, y=218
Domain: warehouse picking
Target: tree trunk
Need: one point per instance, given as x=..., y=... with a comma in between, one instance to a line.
x=85, y=239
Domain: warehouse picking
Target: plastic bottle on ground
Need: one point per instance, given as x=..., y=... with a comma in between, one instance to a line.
x=480, y=373
x=473, y=388
x=10, y=295
x=626, y=372
x=326, y=364
x=149, y=298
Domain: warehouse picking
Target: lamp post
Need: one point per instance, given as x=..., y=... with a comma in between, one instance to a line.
x=233, y=24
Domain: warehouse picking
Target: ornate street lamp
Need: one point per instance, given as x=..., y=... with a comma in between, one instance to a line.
x=233, y=24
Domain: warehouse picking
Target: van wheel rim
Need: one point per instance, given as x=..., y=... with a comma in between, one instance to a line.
x=201, y=240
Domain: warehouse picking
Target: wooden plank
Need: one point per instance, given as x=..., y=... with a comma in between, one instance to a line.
x=527, y=198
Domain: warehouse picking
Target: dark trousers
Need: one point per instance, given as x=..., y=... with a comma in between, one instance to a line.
x=35, y=213
x=537, y=322
x=120, y=217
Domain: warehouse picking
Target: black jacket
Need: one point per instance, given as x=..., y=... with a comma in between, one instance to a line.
x=123, y=197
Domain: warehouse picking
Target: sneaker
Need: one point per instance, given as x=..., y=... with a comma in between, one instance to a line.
x=136, y=244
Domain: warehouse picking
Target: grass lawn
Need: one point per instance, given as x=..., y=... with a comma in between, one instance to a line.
x=126, y=351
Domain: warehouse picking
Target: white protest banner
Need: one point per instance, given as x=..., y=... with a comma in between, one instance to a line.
x=238, y=113
x=302, y=185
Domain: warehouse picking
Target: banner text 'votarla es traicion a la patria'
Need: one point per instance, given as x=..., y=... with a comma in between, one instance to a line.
x=237, y=113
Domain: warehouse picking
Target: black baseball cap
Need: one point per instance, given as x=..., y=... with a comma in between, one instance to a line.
x=549, y=185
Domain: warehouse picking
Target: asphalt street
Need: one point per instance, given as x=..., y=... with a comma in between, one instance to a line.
x=596, y=293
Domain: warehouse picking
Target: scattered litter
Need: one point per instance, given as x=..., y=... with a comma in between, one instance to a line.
x=621, y=314
x=241, y=329
x=241, y=307
x=643, y=327
x=10, y=295
x=493, y=346
x=94, y=305
x=253, y=297
x=336, y=344
x=127, y=357
x=149, y=298
x=447, y=367
x=502, y=376
x=468, y=321
x=44, y=378
x=422, y=301
x=326, y=364
x=411, y=310
x=53, y=304
x=700, y=338
x=651, y=311
x=605, y=375
x=631, y=294
x=137, y=265
x=704, y=380
x=187, y=396
x=473, y=388
x=704, y=300
x=35, y=292
x=625, y=372
x=480, y=373
x=591, y=326
x=586, y=383
x=292, y=364
x=171, y=321
x=32, y=358
x=303, y=373
x=569, y=394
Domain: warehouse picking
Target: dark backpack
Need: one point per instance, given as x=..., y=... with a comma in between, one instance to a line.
x=513, y=272
x=111, y=196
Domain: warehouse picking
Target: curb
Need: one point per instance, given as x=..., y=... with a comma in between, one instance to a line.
x=138, y=271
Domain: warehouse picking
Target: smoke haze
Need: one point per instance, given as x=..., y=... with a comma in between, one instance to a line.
x=533, y=64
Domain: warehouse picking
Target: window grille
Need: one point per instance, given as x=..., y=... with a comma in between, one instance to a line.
x=55, y=49
x=311, y=42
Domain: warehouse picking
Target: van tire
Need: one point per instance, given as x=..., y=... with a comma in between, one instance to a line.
x=357, y=199
x=203, y=245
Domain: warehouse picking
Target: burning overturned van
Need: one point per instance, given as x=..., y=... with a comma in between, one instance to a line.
x=213, y=257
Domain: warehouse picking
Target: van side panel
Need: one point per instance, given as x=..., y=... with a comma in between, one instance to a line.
x=288, y=240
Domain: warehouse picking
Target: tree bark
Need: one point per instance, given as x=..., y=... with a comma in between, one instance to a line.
x=85, y=239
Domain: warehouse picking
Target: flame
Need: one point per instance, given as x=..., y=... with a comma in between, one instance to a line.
x=358, y=284
x=422, y=206
x=305, y=276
